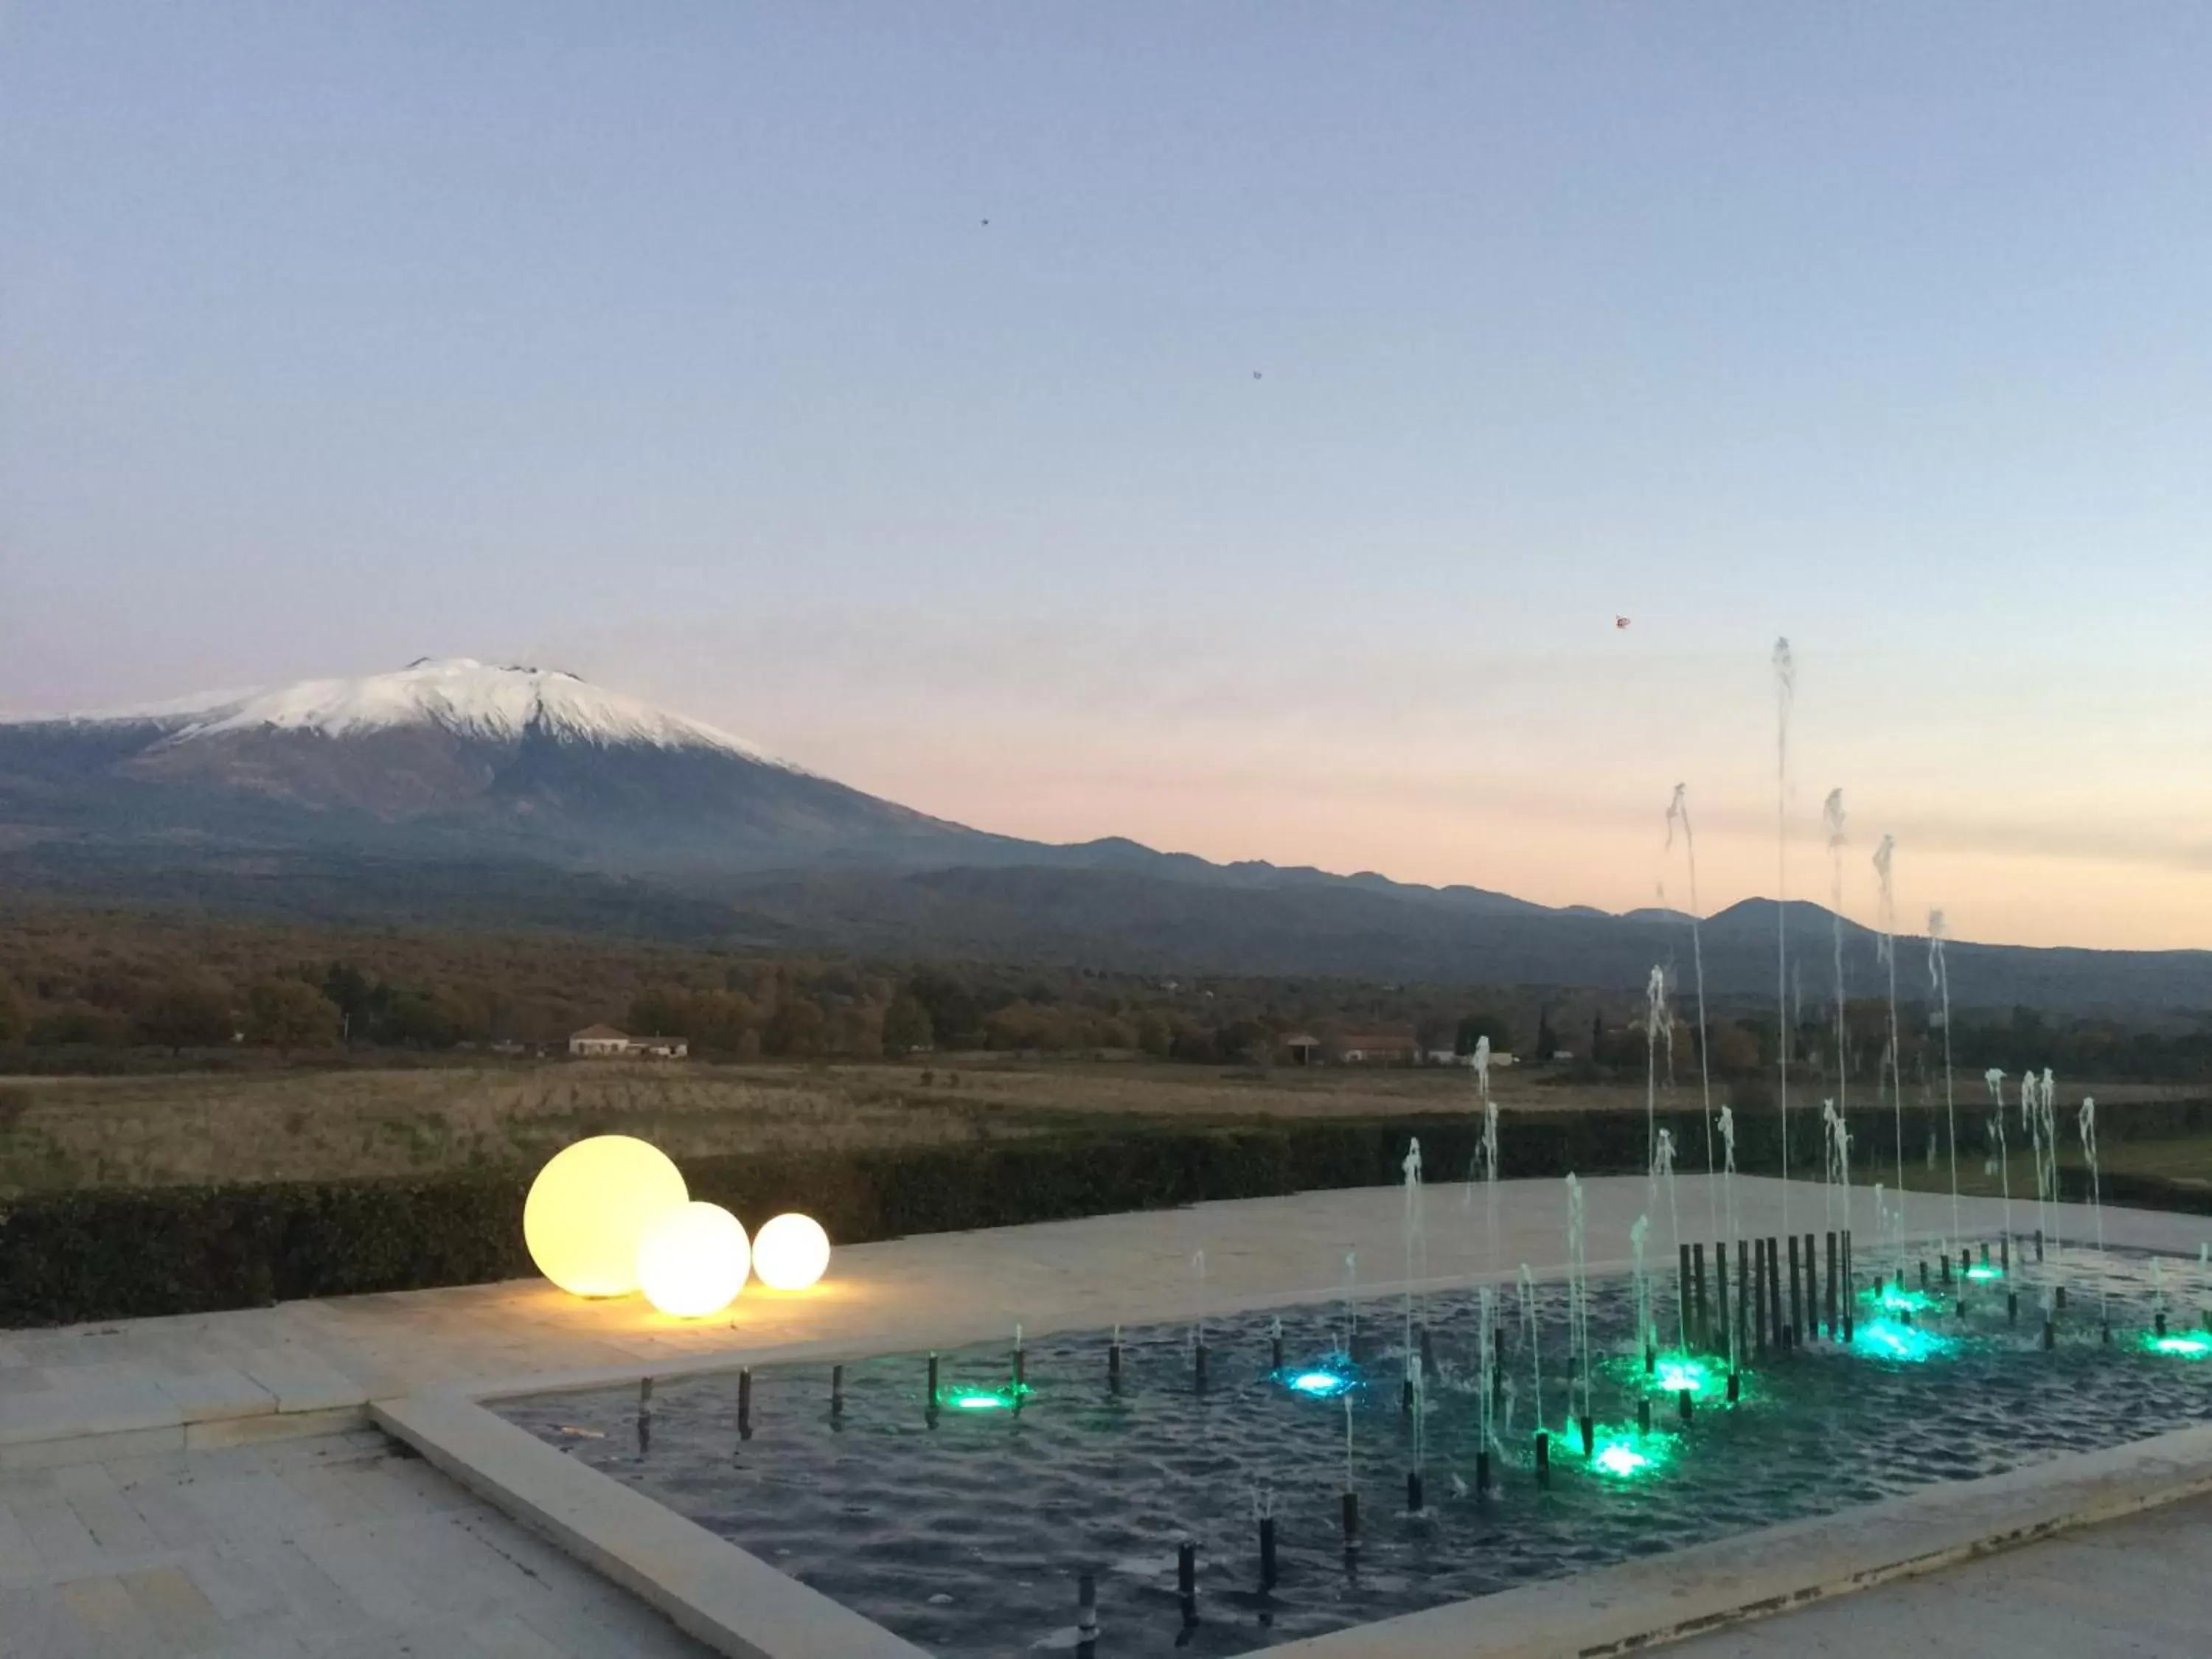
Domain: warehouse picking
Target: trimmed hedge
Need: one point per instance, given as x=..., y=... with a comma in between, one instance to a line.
x=69, y=1257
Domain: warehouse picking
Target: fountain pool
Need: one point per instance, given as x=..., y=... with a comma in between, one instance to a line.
x=969, y=1530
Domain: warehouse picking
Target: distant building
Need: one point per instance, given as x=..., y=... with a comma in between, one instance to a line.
x=1301, y=1048
x=605, y=1042
x=1379, y=1049
x=1453, y=1057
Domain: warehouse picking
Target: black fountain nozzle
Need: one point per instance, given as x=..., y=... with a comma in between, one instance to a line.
x=1021, y=1367
x=744, y=1402
x=1198, y=1366
x=930, y=1409
x=1959, y=1308
x=1267, y=1552
x=1415, y=1499
x=2108, y=1334
x=2038, y=1243
x=1735, y=1386
x=1482, y=1472
x=1275, y=1351
x=645, y=1393
x=1924, y=1274
x=1945, y=1259
x=1086, y=1615
x=1350, y=1512
x=1685, y=1403
x=1113, y=1362
x=2050, y=1334
x=1406, y=1396
x=1187, y=1580
x=1428, y=1352
x=837, y=1391
x=2012, y=1307
x=1543, y=1457
x=1588, y=1424
x=2058, y=1297
x=1650, y=1360
x=1644, y=1415
x=2004, y=1253
x=2158, y=1322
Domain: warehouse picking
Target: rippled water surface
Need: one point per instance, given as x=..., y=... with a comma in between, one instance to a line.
x=965, y=1530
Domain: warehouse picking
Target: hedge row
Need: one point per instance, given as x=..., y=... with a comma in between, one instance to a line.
x=126, y=1253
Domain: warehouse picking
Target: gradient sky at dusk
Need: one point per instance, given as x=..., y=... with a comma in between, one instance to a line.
x=667, y=344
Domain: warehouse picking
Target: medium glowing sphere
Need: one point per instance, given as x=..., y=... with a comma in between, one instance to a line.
x=590, y=1207
x=693, y=1261
x=791, y=1252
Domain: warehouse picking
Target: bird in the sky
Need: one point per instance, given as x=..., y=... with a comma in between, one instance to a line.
x=1620, y=622
x=1255, y=374
x=986, y=224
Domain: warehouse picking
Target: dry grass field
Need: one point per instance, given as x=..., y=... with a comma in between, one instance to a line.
x=62, y=1133
x=305, y=1124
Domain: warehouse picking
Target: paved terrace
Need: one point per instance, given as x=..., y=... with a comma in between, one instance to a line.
x=208, y=1484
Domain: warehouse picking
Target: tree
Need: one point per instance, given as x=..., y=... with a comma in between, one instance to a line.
x=188, y=1013
x=14, y=1017
x=661, y=1011
x=1547, y=1040
x=1482, y=1023
x=906, y=1025
x=290, y=1013
x=795, y=1029
x=351, y=993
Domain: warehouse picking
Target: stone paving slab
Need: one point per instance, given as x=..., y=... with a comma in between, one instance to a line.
x=332, y=1547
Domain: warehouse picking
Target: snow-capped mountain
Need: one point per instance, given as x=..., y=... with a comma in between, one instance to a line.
x=458, y=695
x=455, y=747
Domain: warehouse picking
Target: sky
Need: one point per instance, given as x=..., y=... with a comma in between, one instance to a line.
x=1236, y=427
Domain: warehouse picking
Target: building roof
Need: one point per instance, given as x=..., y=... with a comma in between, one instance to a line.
x=597, y=1034
x=1401, y=1039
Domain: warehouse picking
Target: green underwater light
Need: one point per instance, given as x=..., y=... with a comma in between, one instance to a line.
x=2188, y=1344
x=1620, y=1451
x=988, y=1400
x=1679, y=1374
x=1885, y=1339
x=1620, y=1459
x=1984, y=1270
x=1895, y=1299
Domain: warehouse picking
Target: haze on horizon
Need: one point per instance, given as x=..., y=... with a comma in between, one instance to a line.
x=1262, y=480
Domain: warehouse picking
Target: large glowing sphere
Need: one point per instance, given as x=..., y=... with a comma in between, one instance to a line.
x=693, y=1261
x=590, y=1207
x=791, y=1252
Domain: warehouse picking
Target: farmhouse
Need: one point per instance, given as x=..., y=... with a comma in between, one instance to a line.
x=605, y=1042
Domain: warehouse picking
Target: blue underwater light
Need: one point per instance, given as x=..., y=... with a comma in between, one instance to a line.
x=1325, y=1379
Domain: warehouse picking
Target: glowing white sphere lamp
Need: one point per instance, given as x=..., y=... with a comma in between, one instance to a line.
x=590, y=1207
x=791, y=1252
x=693, y=1261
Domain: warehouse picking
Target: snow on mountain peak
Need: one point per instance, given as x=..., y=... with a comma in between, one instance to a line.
x=462, y=696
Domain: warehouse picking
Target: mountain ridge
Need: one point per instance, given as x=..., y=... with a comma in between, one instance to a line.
x=516, y=795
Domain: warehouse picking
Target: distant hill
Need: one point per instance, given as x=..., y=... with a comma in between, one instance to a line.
x=454, y=793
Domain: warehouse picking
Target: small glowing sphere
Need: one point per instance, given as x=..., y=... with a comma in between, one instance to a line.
x=590, y=1208
x=693, y=1261
x=1321, y=1385
x=791, y=1252
x=982, y=1402
x=2186, y=1348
